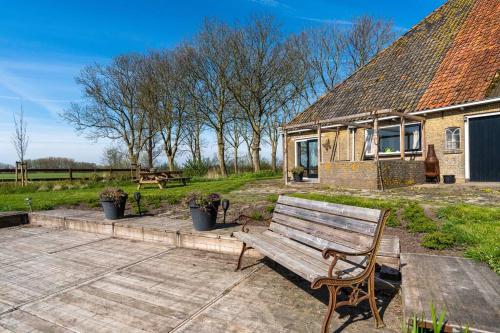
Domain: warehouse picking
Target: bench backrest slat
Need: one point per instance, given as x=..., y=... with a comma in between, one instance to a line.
x=325, y=225
x=332, y=220
x=359, y=213
x=355, y=241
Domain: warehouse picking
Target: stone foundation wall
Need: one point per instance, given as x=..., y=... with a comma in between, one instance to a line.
x=364, y=174
x=398, y=173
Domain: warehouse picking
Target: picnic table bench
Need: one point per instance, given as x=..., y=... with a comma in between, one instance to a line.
x=329, y=245
x=160, y=178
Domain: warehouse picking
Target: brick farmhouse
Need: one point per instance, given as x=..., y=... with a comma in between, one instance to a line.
x=438, y=84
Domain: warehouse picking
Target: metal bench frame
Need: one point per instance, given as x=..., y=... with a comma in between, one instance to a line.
x=335, y=283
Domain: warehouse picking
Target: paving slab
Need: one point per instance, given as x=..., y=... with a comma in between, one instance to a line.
x=467, y=289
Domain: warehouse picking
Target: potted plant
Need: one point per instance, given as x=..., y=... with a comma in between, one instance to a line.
x=203, y=210
x=298, y=173
x=113, y=202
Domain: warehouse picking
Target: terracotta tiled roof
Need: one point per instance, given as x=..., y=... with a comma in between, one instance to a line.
x=451, y=57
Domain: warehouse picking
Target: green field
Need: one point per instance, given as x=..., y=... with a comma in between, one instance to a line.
x=48, y=195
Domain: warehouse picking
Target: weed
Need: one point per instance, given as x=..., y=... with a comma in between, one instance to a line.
x=256, y=215
x=270, y=209
x=438, y=240
x=416, y=219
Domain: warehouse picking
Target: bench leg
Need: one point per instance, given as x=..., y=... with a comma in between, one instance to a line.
x=332, y=302
x=244, y=248
x=373, y=304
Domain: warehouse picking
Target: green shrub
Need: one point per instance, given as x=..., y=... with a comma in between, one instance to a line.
x=416, y=220
x=192, y=168
x=438, y=240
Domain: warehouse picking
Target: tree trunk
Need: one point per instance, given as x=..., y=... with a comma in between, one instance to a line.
x=150, y=152
x=171, y=162
x=256, y=151
x=274, y=146
x=220, y=153
x=236, y=160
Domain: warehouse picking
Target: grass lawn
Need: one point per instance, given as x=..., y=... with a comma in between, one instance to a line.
x=45, y=195
x=476, y=229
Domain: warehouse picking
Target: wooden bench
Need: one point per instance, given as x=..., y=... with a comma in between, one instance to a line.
x=329, y=245
x=160, y=178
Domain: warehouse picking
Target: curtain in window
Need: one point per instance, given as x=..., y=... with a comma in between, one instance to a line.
x=369, y=143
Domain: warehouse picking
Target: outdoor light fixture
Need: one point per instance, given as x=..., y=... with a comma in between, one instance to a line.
x=225, y=206
x=29, y=203
x=137, y=198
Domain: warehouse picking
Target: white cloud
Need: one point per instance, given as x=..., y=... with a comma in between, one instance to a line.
x=271, y=3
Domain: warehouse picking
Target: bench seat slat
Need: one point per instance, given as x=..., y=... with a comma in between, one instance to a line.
x=294, y=256
x=361, y=213
x=274, y=252
x=358, y=242
x=353, y=265
x=341, y=222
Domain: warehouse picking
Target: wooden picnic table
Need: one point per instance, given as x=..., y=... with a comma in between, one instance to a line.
x=160, y=178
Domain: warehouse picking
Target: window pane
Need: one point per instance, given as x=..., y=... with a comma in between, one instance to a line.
x=389, y=139
x=412, y=137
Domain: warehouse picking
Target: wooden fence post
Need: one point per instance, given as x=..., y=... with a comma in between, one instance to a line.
x=70, y=175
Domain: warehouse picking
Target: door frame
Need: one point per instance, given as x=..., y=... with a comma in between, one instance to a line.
x=467, y=143
x=303, y=139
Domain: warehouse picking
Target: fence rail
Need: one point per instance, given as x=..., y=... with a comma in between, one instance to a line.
x=36, y=174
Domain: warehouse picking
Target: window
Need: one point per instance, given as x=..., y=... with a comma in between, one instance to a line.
x=389, y=139
x=452, y=138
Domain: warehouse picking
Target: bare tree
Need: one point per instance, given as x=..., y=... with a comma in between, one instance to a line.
x=261, y=75
x=209, y=66
x=20, y=138
x=193, y=141
x=234, y=134
x=111, y=109
x=367, y=37
x=164, y=101
x=114, y=157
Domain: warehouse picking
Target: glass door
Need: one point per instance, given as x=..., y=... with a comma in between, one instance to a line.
x=308, y=157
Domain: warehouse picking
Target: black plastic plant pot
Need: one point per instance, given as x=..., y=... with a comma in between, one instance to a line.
x=112, y=211
x=297, y=177
x=204, y=219
x=449, y=179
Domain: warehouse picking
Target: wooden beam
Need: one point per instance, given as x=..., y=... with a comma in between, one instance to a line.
x=319, y=150
x=285, y=156
x=375, y=138
x=357, y=125
x=343, y=119
x=423, y=141
x=402, y=138
x=406, y=116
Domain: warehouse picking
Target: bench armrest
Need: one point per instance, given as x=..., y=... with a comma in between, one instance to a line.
x=327, y=253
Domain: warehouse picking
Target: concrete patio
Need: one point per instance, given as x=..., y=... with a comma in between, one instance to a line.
x=62, y=280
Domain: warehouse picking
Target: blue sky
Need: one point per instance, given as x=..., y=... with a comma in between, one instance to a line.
x=44, y=44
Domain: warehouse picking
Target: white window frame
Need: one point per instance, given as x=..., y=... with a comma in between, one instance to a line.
x=466, y=139
x=452, y=129
x=397, y=153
